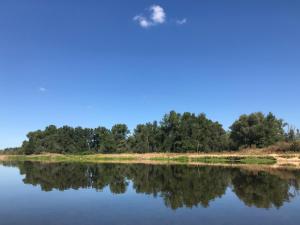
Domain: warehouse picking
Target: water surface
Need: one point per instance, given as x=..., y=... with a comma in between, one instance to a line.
x=89, y=194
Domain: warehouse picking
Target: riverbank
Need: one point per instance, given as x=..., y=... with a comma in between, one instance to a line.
x=245, y=158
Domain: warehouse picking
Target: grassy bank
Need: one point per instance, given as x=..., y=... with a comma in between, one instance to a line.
x=69, y=158
x=266, y=160
x=188, y=158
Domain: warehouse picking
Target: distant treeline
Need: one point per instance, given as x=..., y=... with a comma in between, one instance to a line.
x=176, y=132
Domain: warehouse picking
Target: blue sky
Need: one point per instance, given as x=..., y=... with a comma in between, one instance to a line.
x=90, y=63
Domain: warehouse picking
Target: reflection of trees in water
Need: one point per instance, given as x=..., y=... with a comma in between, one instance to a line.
x=262, y=189
x=179, y=186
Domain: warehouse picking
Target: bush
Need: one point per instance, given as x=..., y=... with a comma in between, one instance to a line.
x=295, y=146
x=278, y=147
x=285, y=147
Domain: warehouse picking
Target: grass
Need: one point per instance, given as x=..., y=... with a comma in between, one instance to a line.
x=168, y=158
x=183, y=159
x=258, y=160
x=70, y=158
x=212, y=159
x=236, y=159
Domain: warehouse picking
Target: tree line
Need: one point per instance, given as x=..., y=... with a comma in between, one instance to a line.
x=176, y=132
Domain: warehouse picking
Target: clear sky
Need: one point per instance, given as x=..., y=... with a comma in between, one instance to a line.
x=99, y=62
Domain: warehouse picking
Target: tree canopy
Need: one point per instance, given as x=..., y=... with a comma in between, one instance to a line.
x=257, y=130
x=176, y=132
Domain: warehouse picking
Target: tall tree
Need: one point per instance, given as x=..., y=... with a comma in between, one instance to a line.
x=257, y=130
x=104, y=140
x=120, y=133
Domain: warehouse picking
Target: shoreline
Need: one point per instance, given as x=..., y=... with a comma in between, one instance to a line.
x=272, y=160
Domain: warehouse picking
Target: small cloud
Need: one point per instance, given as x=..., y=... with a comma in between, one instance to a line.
x=143, y=22
x=42, y=89
x=157, y=16
x=182, y=21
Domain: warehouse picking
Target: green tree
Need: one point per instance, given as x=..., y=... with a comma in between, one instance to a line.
x=120, y=133
x=146, y=138
x=170, y=126
x=257, y=130
x=103, y=140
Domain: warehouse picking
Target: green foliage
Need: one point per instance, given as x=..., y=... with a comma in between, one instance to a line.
x=146, y=138
x=176, y=132
x=257, y=130
x=59, y=140
x=187, y=132
x=11, y=151
x=119, y=133
x=103, y=140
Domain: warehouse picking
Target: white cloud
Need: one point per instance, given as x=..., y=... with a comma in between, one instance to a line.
x=143, y=22
x=182, y=21
x=42, y=89
x=157, y=16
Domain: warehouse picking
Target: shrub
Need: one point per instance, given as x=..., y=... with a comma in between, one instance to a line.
x=295, y=146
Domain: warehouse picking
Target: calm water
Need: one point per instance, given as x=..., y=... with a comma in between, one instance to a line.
x=108, y=194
